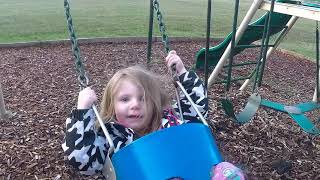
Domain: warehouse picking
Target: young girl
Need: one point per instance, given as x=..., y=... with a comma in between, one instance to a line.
x=134, y=104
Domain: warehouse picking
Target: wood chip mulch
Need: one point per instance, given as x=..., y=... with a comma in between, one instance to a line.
x=40, y=86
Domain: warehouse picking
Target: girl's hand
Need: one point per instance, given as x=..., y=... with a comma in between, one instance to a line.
x=86, y=98
x=174, y=59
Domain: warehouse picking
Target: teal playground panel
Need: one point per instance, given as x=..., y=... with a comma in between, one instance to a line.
x=296, y=113
x=311, y=1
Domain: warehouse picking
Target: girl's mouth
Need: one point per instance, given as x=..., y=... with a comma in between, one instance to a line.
x=134, y=116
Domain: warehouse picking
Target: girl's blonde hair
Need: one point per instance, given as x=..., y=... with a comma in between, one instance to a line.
x=156, y=99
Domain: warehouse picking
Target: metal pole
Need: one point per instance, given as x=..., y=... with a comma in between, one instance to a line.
x=151, y=11
x=207, y=44
x=266, y=44
x=233, y=45
x=317, y=57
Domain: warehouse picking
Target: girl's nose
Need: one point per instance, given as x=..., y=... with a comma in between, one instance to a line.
x=135, y=104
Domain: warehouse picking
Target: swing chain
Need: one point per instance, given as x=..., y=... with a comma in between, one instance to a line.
x=82, y=76
x=83, y=80
x=162, y=26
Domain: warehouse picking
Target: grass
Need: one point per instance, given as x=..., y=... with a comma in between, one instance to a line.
x=35, y=20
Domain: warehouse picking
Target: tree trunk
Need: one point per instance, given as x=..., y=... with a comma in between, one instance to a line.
x=3, y=112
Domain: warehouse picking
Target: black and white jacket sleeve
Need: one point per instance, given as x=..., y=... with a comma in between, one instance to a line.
x=195, y=88
x=86, y=147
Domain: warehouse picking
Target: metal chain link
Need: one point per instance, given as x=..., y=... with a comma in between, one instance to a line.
x=82, y=77
x=84, y=81
x=162, y=26
x=165, y=41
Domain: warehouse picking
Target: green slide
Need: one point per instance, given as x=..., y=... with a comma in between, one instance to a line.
x=253, y=33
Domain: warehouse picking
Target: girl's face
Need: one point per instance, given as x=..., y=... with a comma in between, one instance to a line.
x=129, y=105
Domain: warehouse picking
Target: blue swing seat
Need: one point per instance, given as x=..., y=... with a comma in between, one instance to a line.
x=188, y=151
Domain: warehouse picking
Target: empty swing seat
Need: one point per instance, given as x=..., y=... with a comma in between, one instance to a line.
x=187, y=151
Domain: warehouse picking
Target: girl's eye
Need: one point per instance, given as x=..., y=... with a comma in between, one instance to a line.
x=124, y=99
x=142, y=99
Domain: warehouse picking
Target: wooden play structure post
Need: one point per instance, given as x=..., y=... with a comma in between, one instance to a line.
x=3, y=112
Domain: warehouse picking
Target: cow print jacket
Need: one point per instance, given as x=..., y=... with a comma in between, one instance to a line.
x=85, y=147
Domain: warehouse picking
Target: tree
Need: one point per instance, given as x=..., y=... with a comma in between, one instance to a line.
x=3, y=112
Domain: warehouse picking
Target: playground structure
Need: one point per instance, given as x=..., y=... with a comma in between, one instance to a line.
x=174, y=163
x=283, y=15
x=204, y=144
x=265, y=138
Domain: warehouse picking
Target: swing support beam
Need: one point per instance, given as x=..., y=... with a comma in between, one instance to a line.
x=293, y=9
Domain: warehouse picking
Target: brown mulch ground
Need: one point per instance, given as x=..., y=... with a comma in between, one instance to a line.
x=39, y=85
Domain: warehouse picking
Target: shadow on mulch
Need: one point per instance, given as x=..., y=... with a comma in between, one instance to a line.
x=40, y=85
